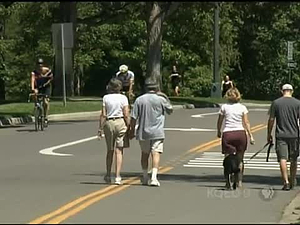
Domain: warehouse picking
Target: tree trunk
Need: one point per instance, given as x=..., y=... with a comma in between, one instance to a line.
x=2, y=81
x=154, y=41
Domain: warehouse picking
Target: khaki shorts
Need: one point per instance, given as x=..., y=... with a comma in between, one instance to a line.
x=152, y=145
x=114, y=131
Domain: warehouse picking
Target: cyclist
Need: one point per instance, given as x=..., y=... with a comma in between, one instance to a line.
x=127, y=78
x=41, y=79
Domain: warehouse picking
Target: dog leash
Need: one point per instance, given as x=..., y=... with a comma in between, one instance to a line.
x=269, y=150
x=260, y=150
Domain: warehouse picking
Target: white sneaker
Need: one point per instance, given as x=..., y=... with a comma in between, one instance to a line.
x=144, y=180
x=118, y=180
x=154, y=183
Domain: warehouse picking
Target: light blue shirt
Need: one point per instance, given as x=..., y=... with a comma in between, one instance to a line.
x=149, y=112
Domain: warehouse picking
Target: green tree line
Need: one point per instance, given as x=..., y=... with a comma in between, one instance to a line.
x=149, y=37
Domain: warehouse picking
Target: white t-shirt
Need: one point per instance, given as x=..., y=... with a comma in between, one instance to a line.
x=233, y=116
x=114, y=104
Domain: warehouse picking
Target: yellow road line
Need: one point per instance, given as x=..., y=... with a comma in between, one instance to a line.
x=70, y=205
x=74, y=211
x=66, y=211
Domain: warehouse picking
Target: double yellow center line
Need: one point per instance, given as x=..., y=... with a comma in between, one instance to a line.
x=83, y=202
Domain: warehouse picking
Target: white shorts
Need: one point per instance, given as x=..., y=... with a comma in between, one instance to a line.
x=152, y=145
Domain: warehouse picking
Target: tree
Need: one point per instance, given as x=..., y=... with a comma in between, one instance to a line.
x=156, y=14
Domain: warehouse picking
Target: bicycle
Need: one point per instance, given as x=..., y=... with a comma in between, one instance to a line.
x=39, y=112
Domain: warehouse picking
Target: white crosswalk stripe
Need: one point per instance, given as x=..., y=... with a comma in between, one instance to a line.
x=215, y=160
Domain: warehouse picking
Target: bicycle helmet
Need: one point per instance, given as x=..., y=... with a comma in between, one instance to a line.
x=123, y=68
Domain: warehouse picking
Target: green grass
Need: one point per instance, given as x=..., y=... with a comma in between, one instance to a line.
x=56, y=107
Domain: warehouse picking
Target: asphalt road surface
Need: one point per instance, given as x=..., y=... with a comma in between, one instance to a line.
x=56, y=176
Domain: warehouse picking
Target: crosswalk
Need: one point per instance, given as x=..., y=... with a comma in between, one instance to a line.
x=215, y=160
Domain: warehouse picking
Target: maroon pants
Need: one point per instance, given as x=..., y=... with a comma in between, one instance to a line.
x=234, y=142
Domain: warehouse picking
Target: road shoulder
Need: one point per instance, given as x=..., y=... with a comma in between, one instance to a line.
x=291, y=213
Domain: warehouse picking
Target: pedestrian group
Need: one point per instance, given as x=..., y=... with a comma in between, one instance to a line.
x=146, y=124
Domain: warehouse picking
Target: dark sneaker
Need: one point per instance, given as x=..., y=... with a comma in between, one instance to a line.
x=286, y=187
x=228, y=187
x=144, y=180
x=107, y=179
x=293, y=183
x=234, y=186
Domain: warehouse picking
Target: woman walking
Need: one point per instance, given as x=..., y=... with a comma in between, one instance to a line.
x=236, y=124
x=226, y=85
x=114, y=124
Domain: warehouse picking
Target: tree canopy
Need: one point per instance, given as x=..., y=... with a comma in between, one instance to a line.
x=253, y=41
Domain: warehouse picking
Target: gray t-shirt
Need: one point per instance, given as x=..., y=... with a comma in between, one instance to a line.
x=149, y=112
x=286, y=110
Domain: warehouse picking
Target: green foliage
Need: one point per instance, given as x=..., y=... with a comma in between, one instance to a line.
x=197, y=81
x=253, y=38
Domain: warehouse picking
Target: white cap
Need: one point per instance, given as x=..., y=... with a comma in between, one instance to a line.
x=287, y=87
x=123, y=68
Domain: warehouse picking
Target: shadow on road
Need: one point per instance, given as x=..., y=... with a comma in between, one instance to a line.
x=63, y=122
x=206, y=179
x=6, y=127
x=26, y=130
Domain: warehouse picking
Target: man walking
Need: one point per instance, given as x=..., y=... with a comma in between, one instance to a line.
x=286, y=110
x=149, y=115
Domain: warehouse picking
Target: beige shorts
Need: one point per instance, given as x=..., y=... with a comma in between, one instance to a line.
x=152, y=145
x=114, y=131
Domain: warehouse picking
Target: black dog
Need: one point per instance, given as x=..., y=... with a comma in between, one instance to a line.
x=231, y=165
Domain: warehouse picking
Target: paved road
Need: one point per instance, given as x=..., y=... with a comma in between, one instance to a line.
x=40, y=188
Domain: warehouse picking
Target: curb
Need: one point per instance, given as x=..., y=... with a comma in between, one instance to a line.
x=291, y=213
x=94, y=115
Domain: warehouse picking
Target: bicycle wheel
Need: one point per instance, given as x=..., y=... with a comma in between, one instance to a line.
x=42, y=119
x=36, y=118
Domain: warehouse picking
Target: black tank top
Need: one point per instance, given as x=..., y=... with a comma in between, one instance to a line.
x=226, y=86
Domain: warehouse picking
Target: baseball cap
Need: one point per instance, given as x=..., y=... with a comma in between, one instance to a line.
x=123, y=68
x=287, y=87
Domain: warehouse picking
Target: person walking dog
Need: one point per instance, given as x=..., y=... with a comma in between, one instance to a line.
x=114, y=123
x=236, y=128
x=149, y=115
x=285, y=110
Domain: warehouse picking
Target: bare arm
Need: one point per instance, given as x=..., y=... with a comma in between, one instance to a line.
x=269, y=129
x=132, y=128
x=246, y=125
x=219, y=124
x=167, y=104
x=271, y=121
x=102, y=120
x=32, y=81
x=126, y=115
x=131, y=82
